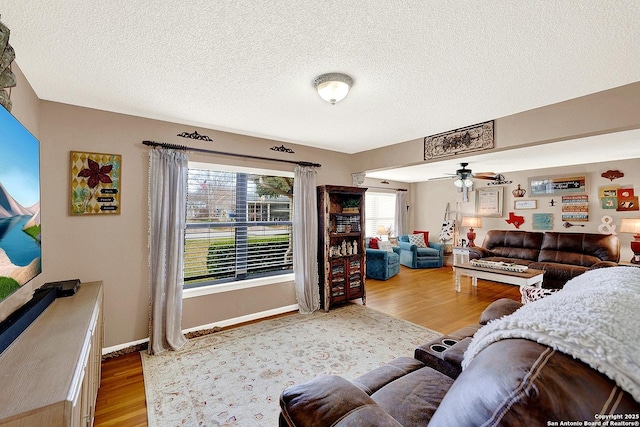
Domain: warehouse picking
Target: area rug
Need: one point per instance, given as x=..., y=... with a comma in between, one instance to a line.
x=235, y=377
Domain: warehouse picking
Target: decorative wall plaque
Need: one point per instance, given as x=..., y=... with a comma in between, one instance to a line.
x=471, y=138
x=95, y=183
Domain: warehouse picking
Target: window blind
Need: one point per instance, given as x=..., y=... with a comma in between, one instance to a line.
x=380, y=210
x=238, y=226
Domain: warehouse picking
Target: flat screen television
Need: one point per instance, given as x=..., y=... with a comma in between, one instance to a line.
x=20, y=241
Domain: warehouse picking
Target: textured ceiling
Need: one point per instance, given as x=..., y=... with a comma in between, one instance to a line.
x=420, y=67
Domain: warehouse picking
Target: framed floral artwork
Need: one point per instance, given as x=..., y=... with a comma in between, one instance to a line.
x=95, y=183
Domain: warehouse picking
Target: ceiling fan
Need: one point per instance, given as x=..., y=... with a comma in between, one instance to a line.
x=464, y=174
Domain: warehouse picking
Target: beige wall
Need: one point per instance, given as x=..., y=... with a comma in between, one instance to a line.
x=432, y=196
x=600, y=113
x=114, y=248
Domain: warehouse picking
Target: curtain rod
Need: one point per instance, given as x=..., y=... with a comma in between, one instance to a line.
x=387, y=188
x=222, y=153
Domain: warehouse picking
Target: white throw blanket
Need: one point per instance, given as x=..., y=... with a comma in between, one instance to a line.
x=595, y=319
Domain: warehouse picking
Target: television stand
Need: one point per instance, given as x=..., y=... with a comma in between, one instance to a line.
x=51, y=372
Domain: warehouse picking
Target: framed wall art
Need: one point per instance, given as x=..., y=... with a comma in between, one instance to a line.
x=525, y=204
x=489, y=201
x=471, y=138
x=575, y=208
x=95, y=183
x=626, y=200
x=551, y=186
x=542, y=221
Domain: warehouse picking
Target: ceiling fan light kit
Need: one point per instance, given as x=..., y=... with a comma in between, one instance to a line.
x=463, y=183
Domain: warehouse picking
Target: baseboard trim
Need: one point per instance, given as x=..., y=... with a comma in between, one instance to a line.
x=134, y=345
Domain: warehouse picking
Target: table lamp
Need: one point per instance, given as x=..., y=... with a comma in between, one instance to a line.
x=381, y=231
x=471, y=221
x=632, y=225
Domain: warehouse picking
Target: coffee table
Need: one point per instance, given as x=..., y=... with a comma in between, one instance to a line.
x=530, y=277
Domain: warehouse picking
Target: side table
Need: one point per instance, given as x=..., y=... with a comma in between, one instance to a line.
x=628, y=264
x=460, y=255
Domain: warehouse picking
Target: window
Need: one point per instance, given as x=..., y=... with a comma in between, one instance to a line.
x=238, y=224
x=380, y=210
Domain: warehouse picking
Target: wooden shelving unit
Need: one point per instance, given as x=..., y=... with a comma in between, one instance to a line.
x=341, y=244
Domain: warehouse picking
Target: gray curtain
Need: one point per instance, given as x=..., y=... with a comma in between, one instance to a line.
x=305, y=239
x=401, y=213
x=167, y=219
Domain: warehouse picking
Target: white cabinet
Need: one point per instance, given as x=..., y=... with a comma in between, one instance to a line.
x=51, y=372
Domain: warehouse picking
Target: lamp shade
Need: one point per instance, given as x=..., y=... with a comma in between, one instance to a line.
x=333, y=87
x=630, y=225
x=472, y=221
x=381, y=230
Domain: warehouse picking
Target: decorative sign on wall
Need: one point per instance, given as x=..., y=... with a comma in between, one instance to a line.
x=489, y=201
x=548, y=186
x=627, y=201
x=542, y=221
x=612, y=174
x=606, y=225
x=515, y=220
x=95, y=183
x=525, y=204
x=471, y=138
x=608, y=196
x=575, y=208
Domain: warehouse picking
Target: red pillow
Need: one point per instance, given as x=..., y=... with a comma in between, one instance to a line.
x=426, y=235
x=373, y=243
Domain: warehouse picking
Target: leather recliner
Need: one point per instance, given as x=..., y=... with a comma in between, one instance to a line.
x=512, y=382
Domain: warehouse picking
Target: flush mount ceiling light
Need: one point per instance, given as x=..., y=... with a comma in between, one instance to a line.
x=333, y=87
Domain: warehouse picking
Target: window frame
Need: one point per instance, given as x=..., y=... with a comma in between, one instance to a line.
x=204, y=287
x=371, y=220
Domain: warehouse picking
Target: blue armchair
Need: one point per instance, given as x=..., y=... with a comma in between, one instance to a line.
x=382, y=264
x=415, y=257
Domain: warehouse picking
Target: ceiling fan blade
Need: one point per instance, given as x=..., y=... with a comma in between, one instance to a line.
x=485, y=175
x=438, y=178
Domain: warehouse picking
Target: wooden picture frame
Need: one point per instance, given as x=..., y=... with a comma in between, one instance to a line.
x=489, y=201
x=525, y=204
x=557, y=185
x=95, y=183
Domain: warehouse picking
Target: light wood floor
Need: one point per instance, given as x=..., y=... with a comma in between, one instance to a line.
x=426, y=297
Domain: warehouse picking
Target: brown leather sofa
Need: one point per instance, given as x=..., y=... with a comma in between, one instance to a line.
x=562, y=256
x=512, y=382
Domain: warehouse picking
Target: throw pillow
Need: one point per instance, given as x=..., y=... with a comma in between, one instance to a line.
x=447, y=231
x=531, y=293
x=385, y=246
x=418, y=240
x=426, y=235
x=373, y=243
